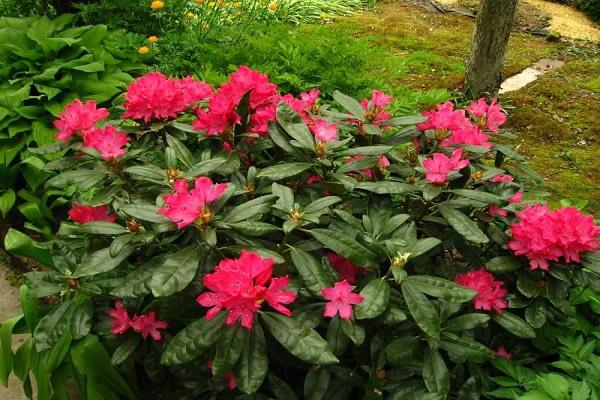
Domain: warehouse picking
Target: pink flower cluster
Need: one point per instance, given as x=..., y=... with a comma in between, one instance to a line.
x=455, y=128
x=85, y=214
x=145, y=324
x=108, y=141
x=78, y=118
x=241, y=285
x=490, y=293
x=344, y=267
x=340, y=300
x=222, y=115
x=184, y=207
x=374, y=108
x=306, y=106
x=154, y=97
x=439, y=166
x=544, y=235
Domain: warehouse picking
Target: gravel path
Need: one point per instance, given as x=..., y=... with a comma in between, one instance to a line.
x=9, y=306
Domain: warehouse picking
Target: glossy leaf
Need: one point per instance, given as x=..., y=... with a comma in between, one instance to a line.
x=253, y=364
x=346, y=246
x=376, y=296
x=176, y=272
x=463, y=225
x=443, y=288
x=313, y=273
x=422, y=311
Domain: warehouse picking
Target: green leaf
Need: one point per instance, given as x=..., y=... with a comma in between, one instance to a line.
x=443, y=288
x=503, y=264
x=249, y=209
x=422, y=311
x=358, y=165
x=386, y=187
x=101, y=261
x=463, y=225
x=376, y=296
x=206, y=166
x=254, y=228
x=465, y=348
x=535, y=314
x=81, y=318
x=280, y=389
x=125, y=350
x=313, y=273
x=103, y=228
x=478, y=195
x=137, y=283
x=7, y=201
x=22, y=245
x=177, y=272
x=52, y=327
x=535, y=395
x=435, y=373
x=183, y=153
x=193, y=340
x=346, y=247
x=282, y=171
x=147, y=173
x=316, y=383
x=401, y=350
x=253, y=364
x=82, y=178
x=228, y=350
x=367, y=151
x=350, y=104
x=423, y=246
x=144, y=212
x=305, y=344
x=514, y=324
x=407, y=120
x=6, y=354
x=95, y=66
x=555, y=385
x=294, y=126
x=322, y=204
x=353, y=330
x=466, y=322
x=92, y=361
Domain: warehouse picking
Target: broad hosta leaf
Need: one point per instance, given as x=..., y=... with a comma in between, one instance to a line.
x=514, y=324
x=229, y=347
x=306, y=344
x=177, y=271
x=443, y=288
x=6, y=354
x=22, y=245
x=463, y=225
x=253, y=364
x=386, y=187
x=52, y=327
x=422, y=311
x=376, y=296
x=346, y=246
x=435, y=373
x=282, y=171
x=100, y=261
x=313, y=273
x=7, y=200
x=193, y=340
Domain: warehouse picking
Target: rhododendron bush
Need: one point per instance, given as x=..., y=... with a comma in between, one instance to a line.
x=234, y=239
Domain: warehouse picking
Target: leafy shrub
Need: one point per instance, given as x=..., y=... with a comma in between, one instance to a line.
x=333, y=251
x=24, y=8
x=44, y=65
x=590, y=7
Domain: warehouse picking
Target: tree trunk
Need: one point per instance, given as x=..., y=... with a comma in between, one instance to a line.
x=490, y=41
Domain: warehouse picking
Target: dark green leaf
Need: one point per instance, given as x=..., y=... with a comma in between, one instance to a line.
x=253, y=364
x=103, y=228
x=313, y=273
x=463, y=225
x=465, y=348
x=100, y=261
x=435, y=373
x=386, y=187
x=515, y=325
x=260, y=205
x=280, y=389
x=466, y=322
x=346, y=246
x=376, y=296
x=443, y=288
x=350, y=104
x=228, y=349
x=52, y=327
x=503, y=264
x=282, y=171
x=144, y=212
x=177, y=271
x=294, y=126
x=22, y=245
x=6, y=354
x=422, y=311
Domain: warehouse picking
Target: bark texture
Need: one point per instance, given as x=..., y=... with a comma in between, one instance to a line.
x=488, y=49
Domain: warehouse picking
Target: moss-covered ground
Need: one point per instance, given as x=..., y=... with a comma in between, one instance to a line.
x=557, y=117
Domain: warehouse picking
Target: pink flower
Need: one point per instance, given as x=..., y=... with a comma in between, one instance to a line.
x=324, y=131
x=439, y=166
x=496, y=211
x=121, y=322
x=340, y=300
x=375, y=107
x=154, y=97
x=147, y=325
x=490, y=293
x=490, y=116
x=310, y=99
x=383, y=162
x=78, y=118
x=313, y=179
x=444, y=117
x=344, y=267
x=85, y=214
x=184, y=207
x=231, y=382
x=503, y=352
x=471, y=135
x=222, y=115
x=108, y=141
x=228, y=148
x=501, y=178
x=240, y=286
x=365, y=172
x=517, y=198
x=543, y=235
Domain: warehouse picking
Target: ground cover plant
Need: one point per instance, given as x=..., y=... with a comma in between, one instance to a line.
x=44, y=65
x=235, y=241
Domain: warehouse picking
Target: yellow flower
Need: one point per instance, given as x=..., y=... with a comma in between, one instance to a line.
x=323, y=16
x=157, y=5
x=153, y=39
x=191, y=15
x=144, y=50
x=235, y=4
x=273, y=6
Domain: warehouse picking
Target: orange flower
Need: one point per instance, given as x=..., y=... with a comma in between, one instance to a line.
x=157, y=5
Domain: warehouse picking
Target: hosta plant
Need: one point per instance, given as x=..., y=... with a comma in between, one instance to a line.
x=237, y=242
